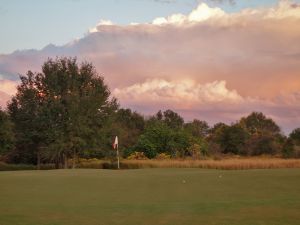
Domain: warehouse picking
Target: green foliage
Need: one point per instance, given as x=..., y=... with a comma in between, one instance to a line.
x=7, y=138
x=173, y=119
x=160, y=137
x=262, y=144
x=137, y=155
x=197, y=128
x=264, y=134
x=128, y=151
x=232, y=138
x=128, y=126
x=195, y=151
x=295, y=136
x=156, y=138
x=253, y=135
x=12, y=167
x=60, y=111
x=291, y=147
x=288, y=149
x=258, y=123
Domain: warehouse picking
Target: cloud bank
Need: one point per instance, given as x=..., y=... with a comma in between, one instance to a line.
x=208, y=64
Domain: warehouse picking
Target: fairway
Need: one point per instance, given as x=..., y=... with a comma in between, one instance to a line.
x=150, y=196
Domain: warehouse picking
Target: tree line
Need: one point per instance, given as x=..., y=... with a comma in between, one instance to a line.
x=67, y=111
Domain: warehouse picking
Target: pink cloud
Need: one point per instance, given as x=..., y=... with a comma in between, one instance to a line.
x=4, y=98
x=208, y=63
x=7, y=90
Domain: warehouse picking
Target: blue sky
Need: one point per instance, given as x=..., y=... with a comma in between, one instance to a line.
x=32, y=24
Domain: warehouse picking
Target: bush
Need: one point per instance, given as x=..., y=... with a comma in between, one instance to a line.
x=93, y=163
x=232, y=139
x=195, y=151
x=288, y=149
x=137, y=155
x=128, y=151
x=162, y=156
x=12, y=167
x=48, y=166
x=262, y=144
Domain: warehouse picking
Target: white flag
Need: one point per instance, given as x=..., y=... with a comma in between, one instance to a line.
x=115, y=144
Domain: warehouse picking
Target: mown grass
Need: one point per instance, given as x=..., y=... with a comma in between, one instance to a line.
x=150, y=196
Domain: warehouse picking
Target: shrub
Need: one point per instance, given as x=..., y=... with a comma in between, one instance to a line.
x=93, y=163
x=297, y=152
x=137, y=155
x=162, y=156
x=288, y=149
x=214, y=149
x=48, y=166
x=128, y=151
x=262, y=144
x=194, y=151
x=11, y=167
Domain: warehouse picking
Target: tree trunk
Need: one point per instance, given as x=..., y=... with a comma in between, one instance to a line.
x=38, y=163
x=56, y=164
x=65, y=162
x=74, y=159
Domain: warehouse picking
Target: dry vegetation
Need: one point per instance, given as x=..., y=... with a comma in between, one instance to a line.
x=227, y=164
x=224, y=164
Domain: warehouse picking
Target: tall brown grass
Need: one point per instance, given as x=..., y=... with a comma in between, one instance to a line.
x=225, y=164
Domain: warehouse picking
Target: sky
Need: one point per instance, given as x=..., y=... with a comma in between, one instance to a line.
x=32, y=24
x=214, y=60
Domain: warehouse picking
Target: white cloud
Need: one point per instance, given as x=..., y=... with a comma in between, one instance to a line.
x=101, y=23
x=285, y=9
x=180, y=94
x=204, y=13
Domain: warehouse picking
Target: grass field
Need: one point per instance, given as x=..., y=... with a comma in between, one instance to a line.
x=150, y=196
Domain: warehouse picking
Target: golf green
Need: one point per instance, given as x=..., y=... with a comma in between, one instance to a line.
x=150, y=196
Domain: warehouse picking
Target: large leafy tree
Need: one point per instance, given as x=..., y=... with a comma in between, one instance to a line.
x=26, y=112
x=258, y=123
x=62, y=110
x=197, y=128
x=173, y=119
x=264, y=134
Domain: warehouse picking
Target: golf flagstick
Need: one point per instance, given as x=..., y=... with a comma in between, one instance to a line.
x=118, y=157
x=116, y=145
